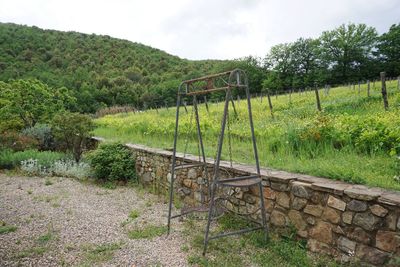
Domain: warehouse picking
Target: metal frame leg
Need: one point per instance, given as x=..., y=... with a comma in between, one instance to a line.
x=171, y=187
x=216, y=169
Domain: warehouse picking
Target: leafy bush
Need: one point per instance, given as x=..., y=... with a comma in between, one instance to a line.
x=72, y=130
x=17, y=142
x=42, y=133
x=10, y=159
x=65, y=168
x=112, y=162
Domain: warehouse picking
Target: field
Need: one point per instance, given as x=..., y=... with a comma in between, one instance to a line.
x=353, y=139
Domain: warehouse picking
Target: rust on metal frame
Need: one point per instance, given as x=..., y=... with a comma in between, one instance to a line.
x=210, y=86
x=204, y=78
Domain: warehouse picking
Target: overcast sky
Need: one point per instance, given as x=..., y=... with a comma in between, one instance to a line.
x=202, y=29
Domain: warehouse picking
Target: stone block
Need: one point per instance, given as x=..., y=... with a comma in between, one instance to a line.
x=300, y=189
x=279, y=186
x=192, y=173
x=356, y=205
x=363, y=193
x=367, y=221
x=297, y=220
x=339, y=230
x=249, y=198
x=269, y=193
x=371, y=255
x=187, y=183
x=390, y=198
x=331, y=215
x=387, y=241
x=390, y=222
x=359, y=235
x=346, y=245
x=322, y=232
x=283, y=199
x=317, y=198
x=146, y=177
x=336, y=203
x=298, y=203
x=269, y=205
x=278, y=218
x=310, y=220
x=347, y=217
x=315, y=210
x=378, y=210
x=318, y=247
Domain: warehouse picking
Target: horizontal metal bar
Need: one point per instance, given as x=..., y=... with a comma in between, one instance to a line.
x=238, y=178
x=204, y=78
x=214, y=89
x=185, y=166
x=195, y=209
x=243, y=231
x=242, y=183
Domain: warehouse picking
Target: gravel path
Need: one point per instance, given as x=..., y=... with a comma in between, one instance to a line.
x=64, y=222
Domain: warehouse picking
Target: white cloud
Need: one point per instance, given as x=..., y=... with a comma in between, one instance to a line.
x=202, y=29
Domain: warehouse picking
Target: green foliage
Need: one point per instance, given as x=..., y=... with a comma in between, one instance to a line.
x=96, y=254
x=30, y=101
x=72, y=130
x=17, y=142
x=10, y=159
x=4, y=228
x=98, y=70
x=353, y=139
x=389, y=47
x=43, y=135
x=147, y=232
x=348, y=48
x=134, y=214
x=111, y=162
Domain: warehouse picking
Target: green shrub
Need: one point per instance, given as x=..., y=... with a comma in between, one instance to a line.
x=10, y=159
x=112, y=162
x=43, y=135
x=72, y=130
x=17, y=142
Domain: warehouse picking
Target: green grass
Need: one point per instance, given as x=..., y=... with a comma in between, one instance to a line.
x=96, y=254
x=248, y=249
x=4, y=229
x=353, y=139
x=30, y=252
x=147, y=232
x=134, y=214
x=10, y=159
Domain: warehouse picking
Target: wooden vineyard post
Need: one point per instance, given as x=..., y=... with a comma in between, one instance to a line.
x=270, y=104
x=359, y=87
x=238, y=99
x=398, y=83
x=384, y=93
x=317, y=96
x=368, y=88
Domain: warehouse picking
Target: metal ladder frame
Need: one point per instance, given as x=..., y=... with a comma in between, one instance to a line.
x=237, y=79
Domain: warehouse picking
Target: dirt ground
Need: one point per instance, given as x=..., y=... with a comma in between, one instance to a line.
x=64, y=222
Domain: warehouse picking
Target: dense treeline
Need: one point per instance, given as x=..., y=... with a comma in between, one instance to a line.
x=100, y=71
x=349, y=53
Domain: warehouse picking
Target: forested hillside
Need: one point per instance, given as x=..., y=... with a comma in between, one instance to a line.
x=98, y=70
x=101, y=71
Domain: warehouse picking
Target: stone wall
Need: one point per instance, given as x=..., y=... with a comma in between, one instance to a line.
x=345, y=221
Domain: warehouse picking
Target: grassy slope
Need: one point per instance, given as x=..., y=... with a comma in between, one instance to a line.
x=342, y=108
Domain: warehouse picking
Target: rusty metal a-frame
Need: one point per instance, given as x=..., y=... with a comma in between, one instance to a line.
x=222, y=82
